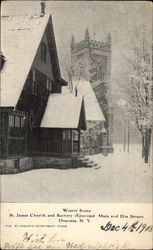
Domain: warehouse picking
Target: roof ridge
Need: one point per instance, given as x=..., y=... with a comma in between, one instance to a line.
x=26, y=15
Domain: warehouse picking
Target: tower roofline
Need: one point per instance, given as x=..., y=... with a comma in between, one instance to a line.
x=92, y=44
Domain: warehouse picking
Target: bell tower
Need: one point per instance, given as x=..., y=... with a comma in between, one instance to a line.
x=98, y=54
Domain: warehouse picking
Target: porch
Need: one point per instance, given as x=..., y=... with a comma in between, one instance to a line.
x=54, y=143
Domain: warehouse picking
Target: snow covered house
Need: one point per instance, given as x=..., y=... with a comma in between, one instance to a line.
x=37, y=123
x=94, y=138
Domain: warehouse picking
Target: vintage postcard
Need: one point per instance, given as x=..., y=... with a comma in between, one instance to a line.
x=76, y=105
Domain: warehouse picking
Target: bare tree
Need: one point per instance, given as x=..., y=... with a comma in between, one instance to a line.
x=2, y=60
x=77, y=68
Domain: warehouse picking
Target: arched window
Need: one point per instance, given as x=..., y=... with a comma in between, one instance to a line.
x=100, y=73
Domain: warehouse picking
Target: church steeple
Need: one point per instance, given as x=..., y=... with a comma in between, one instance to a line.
x=87, y=36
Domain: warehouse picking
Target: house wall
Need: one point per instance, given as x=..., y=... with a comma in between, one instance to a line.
x=52, y=162
x=3, y=134
x=21, y=164
x=50, y=142
x=44, y=67
x=15, y=165
x=34, y=104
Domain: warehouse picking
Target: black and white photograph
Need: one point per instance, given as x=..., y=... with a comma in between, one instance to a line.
x=76, y=99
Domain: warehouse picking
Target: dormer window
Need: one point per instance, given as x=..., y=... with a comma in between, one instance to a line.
x=34, y=75
x=43, y=51
x=34, y=83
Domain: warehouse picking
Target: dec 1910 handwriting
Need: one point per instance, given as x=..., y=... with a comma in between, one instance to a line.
x=134, y=227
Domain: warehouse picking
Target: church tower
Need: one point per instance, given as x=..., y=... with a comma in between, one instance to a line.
x=98, y=56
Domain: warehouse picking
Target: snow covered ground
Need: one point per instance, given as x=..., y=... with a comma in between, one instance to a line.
x=121, y=177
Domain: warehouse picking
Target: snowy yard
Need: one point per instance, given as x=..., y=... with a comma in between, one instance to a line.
x=122, y=177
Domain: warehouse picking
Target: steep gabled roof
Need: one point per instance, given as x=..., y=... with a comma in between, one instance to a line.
x=20, y=39
x=64, y=111
x=92, y=107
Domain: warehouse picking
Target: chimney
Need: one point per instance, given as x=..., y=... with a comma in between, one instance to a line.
x=42, y=8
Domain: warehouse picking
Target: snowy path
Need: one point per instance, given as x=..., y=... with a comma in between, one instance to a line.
x=122, y=178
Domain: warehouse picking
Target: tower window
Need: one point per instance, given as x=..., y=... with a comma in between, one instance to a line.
x=43, y=51
x=100, y=73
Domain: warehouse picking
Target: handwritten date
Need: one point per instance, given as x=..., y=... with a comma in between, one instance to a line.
x=134, y=227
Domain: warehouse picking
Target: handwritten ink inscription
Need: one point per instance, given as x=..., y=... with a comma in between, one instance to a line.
x=134, y=227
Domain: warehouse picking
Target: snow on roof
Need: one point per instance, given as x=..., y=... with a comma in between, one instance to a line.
x=20, y=38
x=92, y=108
x=62, y=111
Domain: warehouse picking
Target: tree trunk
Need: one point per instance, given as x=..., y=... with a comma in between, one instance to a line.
x=146, y=153
x=143, y=146
x=147, y=141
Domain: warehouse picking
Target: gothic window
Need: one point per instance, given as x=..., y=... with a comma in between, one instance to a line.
x=43, y=51
x=100, y=73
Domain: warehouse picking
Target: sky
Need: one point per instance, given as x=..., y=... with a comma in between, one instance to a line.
x=120, y=18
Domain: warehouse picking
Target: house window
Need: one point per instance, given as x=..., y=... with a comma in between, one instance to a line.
x=66, y=135
x=16, y=121
x=11, y=120
x=49, y=85
x=34, y=83
x=34, y=75
x=43, y=51
x=34, y=88
x=22, y=122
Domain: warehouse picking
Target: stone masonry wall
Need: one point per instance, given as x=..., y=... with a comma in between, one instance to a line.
x=92, y=139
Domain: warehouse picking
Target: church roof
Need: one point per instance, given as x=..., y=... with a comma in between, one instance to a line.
x=64, y=111
x=92, y=108
x=20, y=39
